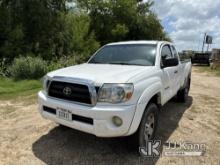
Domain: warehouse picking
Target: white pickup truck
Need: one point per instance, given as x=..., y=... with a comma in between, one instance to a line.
x=119, y=91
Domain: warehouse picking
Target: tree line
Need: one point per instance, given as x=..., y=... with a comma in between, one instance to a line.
x=71, y=30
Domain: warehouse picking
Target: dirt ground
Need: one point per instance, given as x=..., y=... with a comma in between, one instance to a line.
x=26, y=138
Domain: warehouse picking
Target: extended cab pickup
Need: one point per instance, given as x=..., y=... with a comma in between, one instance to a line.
x=119, y=91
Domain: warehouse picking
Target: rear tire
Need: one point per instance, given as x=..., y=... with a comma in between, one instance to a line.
x=183, y=94
x=147, y=127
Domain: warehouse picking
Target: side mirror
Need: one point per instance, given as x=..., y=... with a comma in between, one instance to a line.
x=169, y=62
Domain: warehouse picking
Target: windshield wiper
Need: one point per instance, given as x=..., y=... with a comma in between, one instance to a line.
x=120, y=63
x=97, y=62
x=115, y=63
x=123, y=63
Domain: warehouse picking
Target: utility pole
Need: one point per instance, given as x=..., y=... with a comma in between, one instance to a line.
x=207, y=47
x=203, y=44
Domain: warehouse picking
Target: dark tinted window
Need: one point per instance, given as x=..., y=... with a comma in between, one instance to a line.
x=166, y=52
x=131, y=54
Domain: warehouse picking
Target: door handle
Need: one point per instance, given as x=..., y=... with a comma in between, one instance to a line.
x=176, y=71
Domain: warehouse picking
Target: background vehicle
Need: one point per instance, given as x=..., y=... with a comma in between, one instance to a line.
x=119, y=91
x=201, y=58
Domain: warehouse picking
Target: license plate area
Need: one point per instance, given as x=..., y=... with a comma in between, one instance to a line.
x=64, y=114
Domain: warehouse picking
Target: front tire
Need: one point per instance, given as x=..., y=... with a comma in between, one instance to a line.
x=148, y=125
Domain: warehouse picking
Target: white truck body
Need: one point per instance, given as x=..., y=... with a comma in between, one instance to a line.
x=148, y=81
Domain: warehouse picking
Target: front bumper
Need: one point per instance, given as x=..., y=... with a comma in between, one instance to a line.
x=101, y=115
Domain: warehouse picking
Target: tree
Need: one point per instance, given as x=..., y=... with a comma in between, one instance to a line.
x=55, y=28
x=114, y=20
x=78, y=39
x=29, y=26
x=48, y=28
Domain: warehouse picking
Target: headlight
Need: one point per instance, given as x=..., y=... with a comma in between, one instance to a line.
x=115, y=93
x=46, y=82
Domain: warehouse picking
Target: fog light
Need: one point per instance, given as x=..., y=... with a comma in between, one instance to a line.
x=117, y=121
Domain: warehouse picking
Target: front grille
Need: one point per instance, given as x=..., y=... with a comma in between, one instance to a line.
x=79, y=93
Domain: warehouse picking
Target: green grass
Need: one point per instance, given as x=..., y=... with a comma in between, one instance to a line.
x=207, y=69
x=10, y=88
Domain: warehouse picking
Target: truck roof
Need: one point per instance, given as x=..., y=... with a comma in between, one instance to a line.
x=137, y=42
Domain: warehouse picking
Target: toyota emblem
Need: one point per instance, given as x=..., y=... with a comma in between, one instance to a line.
x=67, y=91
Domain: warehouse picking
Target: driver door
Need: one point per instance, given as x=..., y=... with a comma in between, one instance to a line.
x=168, y=73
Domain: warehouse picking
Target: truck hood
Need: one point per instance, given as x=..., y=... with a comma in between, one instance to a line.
x=101, y=73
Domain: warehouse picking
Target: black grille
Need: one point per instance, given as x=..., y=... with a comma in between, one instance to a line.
x=49, y=110
x=82, y=119
x=79, y=93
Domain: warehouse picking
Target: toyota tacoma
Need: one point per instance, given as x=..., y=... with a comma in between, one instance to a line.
x=119, y=91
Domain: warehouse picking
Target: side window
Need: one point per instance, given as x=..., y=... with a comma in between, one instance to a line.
x=174, y=52
x=166, y=52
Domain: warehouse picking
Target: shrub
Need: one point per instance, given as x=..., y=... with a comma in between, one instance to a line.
x=4, y=72
x=28, y=68
x=62, y=62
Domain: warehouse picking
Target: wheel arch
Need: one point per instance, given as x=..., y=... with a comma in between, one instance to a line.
x=186, y=80
x=150, y=95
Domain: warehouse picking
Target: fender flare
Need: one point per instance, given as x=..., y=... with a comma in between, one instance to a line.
x=143, y=101
x=188, y=78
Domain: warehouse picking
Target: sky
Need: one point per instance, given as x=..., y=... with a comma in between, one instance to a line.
x=186, y=21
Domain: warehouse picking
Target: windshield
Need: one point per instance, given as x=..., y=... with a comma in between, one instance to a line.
x=131, y=54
